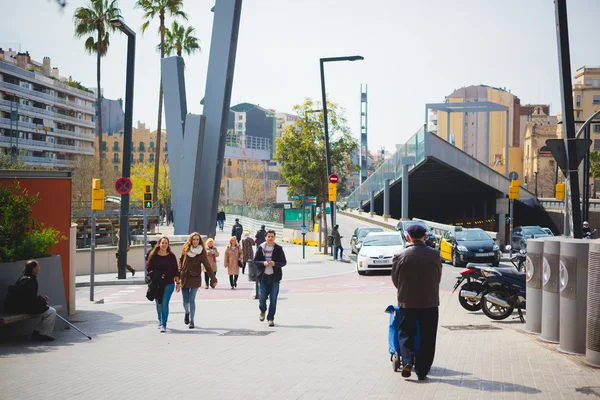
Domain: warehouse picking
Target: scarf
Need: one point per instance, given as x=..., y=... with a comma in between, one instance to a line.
x=193, y=252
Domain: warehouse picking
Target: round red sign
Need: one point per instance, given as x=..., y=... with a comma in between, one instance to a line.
x=123, y=185
x=333, y=178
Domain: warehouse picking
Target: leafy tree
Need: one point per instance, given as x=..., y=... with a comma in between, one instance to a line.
x=301, y=152
x=93, y=22
x=152, y=9
x=142, y=175
x=595, y=165
x=180, y=39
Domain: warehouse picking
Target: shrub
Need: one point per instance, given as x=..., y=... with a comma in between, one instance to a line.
x=21, y=236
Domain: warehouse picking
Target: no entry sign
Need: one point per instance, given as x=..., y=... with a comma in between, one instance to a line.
x=123, y=185
x=333, y=178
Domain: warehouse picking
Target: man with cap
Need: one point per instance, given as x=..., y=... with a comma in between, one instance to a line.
x=237, y=230
x=416, y=273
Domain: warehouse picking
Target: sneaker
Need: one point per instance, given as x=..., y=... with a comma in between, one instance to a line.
x=192, y=326
x=163, y=329
x=261, y=316
x=186, y=319
x=271, y=323
x=133, y=272
x=406, y=371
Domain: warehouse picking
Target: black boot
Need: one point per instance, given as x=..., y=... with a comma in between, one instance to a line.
x=187, y=318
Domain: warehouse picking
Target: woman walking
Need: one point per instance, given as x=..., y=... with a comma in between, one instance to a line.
x=163, y=262
x=248, y=255
x=213, y=253
x=232, y=261
x=193, y=257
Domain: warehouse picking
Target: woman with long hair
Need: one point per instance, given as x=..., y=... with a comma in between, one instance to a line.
x=212, y=253
x=232, y=261
x=193, y=257
x=162, y=264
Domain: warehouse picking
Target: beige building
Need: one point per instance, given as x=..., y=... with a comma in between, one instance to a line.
x=536, y=155
x=142, y=146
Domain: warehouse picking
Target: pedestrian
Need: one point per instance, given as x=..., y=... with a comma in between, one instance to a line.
x=248, y=253
x=23, y=297
x=269, y=259
x=129, y=267
x=416, y=273
x=221, y=219
x=232, y=261
x=260, y=235
x=213, y=253
x=153, y=244
x=171, y=220
x=163, y=261
x=193, y=257
x=237, y=230
x=337, y=244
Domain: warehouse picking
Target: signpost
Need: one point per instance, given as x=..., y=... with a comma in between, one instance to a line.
x=97, y=204
x=123, y=185
x=513, y=194
x=146, y=192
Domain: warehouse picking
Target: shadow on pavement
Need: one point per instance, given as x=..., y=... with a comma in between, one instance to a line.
x=93, y=323
x=303, y=326
x=196, y=331
x=483, y=385
x=440, y=372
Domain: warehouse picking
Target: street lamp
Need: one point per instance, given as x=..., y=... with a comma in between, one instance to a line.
x=124, y=218
x=324, y=96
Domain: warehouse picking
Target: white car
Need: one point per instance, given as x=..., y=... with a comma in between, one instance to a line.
x=377, y=251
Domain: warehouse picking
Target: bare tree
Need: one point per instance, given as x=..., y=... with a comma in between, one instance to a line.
x=84, y=169
x=253, y=182
x=547, y=181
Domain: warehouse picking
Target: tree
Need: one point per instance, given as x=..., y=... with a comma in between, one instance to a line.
x=301, y=152
x=94, y=20
x=252, y=174
x=180, y=39
x=547, y=181
x=160, y=8
x=142, y=175
x=84, y=169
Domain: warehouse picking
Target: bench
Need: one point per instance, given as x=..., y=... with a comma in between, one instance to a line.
x=6, y=319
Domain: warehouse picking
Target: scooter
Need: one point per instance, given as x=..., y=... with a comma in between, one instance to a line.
x=504, y=290
x=518, y=260
x=469, y=295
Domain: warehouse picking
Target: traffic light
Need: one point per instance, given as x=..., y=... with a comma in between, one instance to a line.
x=148, y=197
x=560, y=191
x=97, y=195
x=513, y=190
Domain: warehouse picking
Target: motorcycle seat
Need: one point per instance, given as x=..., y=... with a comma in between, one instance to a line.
x=512, y=272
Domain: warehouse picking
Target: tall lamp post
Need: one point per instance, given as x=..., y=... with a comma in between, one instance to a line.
x=126, y=170
x=324, y=96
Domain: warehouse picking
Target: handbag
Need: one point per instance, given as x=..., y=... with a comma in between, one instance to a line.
x=241, y=264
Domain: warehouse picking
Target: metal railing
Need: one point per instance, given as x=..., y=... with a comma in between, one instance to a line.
x=267, y=214
x=83, y=209
x=54, y=115
x=48, y=145
x=560, y=205
x=248, y=142
x=37, y=128
x=31, y=160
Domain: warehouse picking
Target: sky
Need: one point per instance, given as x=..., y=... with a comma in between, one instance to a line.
x=415, y=52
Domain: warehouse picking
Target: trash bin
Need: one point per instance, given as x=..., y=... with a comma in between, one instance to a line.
x=533, y=269
x=592, y=351
x=573, y=277
x=550, y=296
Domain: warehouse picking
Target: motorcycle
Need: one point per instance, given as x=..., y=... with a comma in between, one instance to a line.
x=519, y=259
x=472, y=288
x=504, y=290
x=589, y=235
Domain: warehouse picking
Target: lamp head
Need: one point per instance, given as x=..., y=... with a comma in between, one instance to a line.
x=116, y=23
x=355, y=58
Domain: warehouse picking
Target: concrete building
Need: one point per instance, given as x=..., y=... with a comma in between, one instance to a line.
x=142, y=146
x=253, y=120
x=113, y=116
x=55, y=114
x=537, y=158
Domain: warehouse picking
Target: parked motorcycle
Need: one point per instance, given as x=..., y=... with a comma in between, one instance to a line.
x=504, y=290
x=589, y=235
x=473, y=286
x=518, y=259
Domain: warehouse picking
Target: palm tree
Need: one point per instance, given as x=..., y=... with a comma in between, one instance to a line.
x=152, y=8
x=180, y=39
x=94, y=21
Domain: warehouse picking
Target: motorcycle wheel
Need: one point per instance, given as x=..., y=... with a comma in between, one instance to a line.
x=494, y=311
x=468, y=304
x=521, y=267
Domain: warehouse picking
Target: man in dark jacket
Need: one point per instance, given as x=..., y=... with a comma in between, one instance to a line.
x=221, y=219
x=237, y=230
x=269, y=259
x=416, y=273
x=260, y=235
x=23, y=298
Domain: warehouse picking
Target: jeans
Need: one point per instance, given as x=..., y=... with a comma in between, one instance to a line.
x=418, y=332
x=268, y=287
x=189, y=301
x=163, y=309
x=233, y=280
x=337, y=249
x=46, y=325
x=221, y=224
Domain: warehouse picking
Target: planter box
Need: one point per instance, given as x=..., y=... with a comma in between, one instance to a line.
x=50, y=283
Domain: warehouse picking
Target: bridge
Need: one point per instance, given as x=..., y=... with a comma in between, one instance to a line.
x=446, y=185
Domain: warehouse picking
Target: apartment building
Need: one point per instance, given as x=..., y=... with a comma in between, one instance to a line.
x=537, y=158
x=46, y=120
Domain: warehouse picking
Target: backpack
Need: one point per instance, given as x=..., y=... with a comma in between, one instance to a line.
x=15, y=297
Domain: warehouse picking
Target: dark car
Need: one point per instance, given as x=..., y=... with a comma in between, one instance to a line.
x=359, y=235
x=431, y=240
x=463, y=246
x=522, y=233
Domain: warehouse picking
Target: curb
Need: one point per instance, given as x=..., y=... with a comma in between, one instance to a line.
x=122, y=282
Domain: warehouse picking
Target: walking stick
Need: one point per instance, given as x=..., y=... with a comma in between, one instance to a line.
x=76, y=328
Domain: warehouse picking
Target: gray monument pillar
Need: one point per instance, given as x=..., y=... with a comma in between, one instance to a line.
x=406, y=162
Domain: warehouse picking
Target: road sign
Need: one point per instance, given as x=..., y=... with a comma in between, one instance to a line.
x=332, y=192
x=296, y=197
x=333, y=178
x=123, y=185
x=559, y=151
x=513, y=176
x=303, y=229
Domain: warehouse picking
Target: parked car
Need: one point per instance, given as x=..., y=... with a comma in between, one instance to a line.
x=548, y=231
x=462, y=246
x=403, y=225
x=359, y=235
x=522, y=233
x=377, y=251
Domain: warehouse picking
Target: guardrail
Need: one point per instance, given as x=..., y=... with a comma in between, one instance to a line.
x=560, y=205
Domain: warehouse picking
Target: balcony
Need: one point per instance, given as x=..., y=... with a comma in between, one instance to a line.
x=39, y=145
x=36, y=112
x=37, y=128
x=46, y=97
x=46, y=161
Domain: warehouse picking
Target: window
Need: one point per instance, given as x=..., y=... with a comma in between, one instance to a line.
x=578, y=101
x=166, y=148
x=151, y=157
x=596, y=128
x=240, y=117
x=596, y=145
x=152, y=145
x=116, y=168
x=551, y=163
x=103, y=146
x=104, y=156
x=116, y=157
x=240, y=126
x=595, y=82
x=132, y=147
x=142, y=147
x=596, y=99
x=588, y=82
x=115, y=146
x=141, y=157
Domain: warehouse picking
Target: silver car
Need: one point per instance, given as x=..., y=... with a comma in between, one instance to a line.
x=359, y=235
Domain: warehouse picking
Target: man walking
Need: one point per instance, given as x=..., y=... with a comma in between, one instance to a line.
x=337, y=244
x=260, y=235
x=221, y=219
x=416, y=273
x=237, y=230
x=269, y=259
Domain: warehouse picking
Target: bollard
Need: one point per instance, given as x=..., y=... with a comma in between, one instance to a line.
x=573, y=276
x=533, y=269
x=592, y=350
x=550, y=296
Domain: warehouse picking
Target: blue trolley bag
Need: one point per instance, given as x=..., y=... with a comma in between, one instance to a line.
x=393, y=337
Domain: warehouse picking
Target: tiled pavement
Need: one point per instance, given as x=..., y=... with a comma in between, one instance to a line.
x=327, y=344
